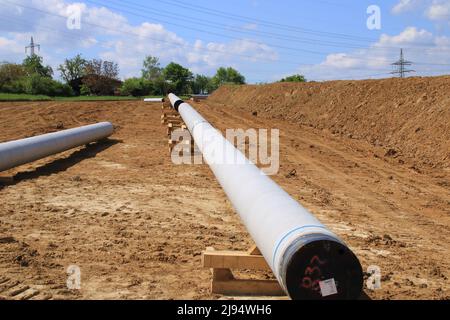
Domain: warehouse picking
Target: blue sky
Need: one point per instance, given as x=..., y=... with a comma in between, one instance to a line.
x=264, y=39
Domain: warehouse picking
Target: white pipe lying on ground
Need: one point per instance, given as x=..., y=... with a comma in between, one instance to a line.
x=309, y=261
x=154, y=100
x=18, y=152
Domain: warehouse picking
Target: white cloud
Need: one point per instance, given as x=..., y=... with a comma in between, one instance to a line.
x=439, y=11
x=154, y=39
x=340, y=61
x=9, y=49
x=405, y=6
x=410, y=36
x=111, y=36
x=434, y=10
x=420, y=46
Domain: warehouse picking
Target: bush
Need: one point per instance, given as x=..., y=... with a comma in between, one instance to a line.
x=84, y=90
x=36, y=84
x=63, y=90
x=294, y=78
x=16, y=86
x=136, y=87
x=9, y=73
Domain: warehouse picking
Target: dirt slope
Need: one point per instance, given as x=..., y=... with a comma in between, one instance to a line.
x=409, y=118
x=135, y=223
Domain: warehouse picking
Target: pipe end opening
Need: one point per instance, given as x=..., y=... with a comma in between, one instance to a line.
x=323, y=269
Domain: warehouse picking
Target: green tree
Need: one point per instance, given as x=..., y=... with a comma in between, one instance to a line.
x=72, y=71
x=202, y=84
x=162, y=87
x=34, y=65
x=227, y=75
x=294, y=78
x=136, y=87
x=178, y=76
x=152, y=69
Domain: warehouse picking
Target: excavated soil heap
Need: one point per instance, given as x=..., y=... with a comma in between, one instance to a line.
x=408, y=117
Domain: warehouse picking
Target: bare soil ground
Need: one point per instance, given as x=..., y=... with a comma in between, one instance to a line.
x=136, y=224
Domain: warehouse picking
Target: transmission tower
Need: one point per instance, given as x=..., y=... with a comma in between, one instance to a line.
x=401, y=65
x=32, y=46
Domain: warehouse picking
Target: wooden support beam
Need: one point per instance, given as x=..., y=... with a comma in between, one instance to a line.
x=170, y=116
x=6, y=180
x=233, y=260
x=223, y=280
x=176, y=125
x=225, y=283
x=165, y=121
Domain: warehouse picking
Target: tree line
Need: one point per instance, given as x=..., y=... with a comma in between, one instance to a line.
x=98, y=77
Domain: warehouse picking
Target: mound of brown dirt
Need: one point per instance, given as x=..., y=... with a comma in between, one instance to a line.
x=408, y=117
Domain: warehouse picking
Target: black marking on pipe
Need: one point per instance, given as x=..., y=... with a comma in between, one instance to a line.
x=177, y=104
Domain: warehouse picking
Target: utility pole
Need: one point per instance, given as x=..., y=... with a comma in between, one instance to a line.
x=401, y=65
x=32, y=46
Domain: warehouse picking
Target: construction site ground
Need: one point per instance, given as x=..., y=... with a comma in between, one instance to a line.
x=136, y=224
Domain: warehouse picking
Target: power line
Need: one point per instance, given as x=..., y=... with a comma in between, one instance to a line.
x=211, y=50
x=70, y=35
x=196, y=20
x=147, y=37
x=236, y=17
x=276, y=36
x=187, y=45
x=304, y=41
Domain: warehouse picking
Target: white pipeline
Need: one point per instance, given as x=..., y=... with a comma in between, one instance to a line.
x=18, y=152
x=309, y=261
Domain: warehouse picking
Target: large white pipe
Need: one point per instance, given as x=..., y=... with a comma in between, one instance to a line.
x=18, y=152
x=309, y=261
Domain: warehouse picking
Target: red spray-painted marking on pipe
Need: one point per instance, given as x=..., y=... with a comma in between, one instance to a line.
x=313, y=274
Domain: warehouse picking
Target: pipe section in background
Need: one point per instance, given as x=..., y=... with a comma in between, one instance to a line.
x=154, y=100
x=309, y=261
x=18, y=152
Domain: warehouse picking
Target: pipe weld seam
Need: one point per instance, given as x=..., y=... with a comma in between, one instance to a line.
x=288, y=234
x=177, y=103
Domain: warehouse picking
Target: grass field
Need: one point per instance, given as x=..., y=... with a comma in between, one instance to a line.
x=97, y=98
x=23, y=97
x=29, y=97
